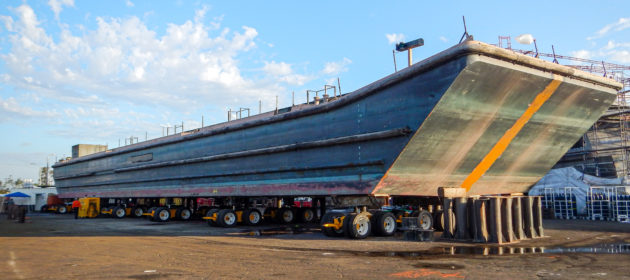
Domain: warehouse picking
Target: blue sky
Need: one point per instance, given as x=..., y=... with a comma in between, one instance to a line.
x=98, y=72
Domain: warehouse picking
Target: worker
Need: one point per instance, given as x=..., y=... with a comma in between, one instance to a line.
x=76, y=204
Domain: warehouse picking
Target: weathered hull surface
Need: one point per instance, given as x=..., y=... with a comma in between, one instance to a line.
x=473, y=116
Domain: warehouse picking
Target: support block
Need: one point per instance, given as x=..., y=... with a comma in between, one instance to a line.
x=517, y=218
x=451, y=192
x=449, y=221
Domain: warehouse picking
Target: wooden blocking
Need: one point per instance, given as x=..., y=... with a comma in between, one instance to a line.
x=494, y=221
x=528, y=217
x=537, y=213
x=517, y=218
x=461, y=218
x=449, y=221
x=451, y=192
x=479, y=222
x=506, y=219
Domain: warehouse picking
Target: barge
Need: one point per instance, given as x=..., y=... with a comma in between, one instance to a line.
x=474, y=117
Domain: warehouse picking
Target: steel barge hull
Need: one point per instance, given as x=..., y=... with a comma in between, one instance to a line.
x=474, y=116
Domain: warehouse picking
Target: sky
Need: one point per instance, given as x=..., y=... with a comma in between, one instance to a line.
x=98, y=72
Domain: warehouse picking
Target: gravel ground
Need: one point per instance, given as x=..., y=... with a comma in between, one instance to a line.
x=52, y=246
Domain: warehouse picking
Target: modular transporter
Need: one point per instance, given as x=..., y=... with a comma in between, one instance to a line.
x=474, y=118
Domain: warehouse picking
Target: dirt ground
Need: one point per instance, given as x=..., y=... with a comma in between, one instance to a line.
x=52, y=246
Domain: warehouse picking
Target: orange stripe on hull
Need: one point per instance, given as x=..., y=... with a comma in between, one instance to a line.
x=509, y=135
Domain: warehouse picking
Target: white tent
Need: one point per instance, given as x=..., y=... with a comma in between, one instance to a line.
x=558, y=179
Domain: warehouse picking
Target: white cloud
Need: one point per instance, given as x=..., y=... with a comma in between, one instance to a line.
x=283, y=72
x=621, y=56
x=8, y=22
x=334, y=68
x=123, y=59
x=443, y=39
x=10, y=109
x=582, y=54
x=277, y=68
x=129, y=3
x=91, y=81
x=57, y=6
x=395, y=38
x=619, y=25
x=613, y=45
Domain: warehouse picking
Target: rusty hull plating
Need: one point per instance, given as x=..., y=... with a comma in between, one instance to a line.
x=474, y=116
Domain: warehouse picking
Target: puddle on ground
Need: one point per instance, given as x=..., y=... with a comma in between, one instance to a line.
x=278, y=231
x=439, y=265
x=487, y=251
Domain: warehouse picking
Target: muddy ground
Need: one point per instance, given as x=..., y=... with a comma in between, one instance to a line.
x=50, y=246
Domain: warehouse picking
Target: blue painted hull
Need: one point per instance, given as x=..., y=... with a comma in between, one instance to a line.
x=401, y=135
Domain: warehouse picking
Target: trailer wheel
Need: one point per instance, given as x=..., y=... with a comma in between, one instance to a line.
x=209, y=214
x=384, y=223
x=161, y=214
x=329, y=218
x=119, y=212
x=202, y=211
x=183, y=214
x=226, y=218
x=358, y=226
x=438, y=221
x=137, y=212
x=44, y=208
x=61, y=209
x=252, y=217
x=285, y=215
x=425, y=220
x=307, y=215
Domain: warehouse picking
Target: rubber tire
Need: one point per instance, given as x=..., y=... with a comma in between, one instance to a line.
x=209, y=214
x=43, y=209
x=438, y=221
x=379, y=226
x=183, y=217
x=116, y=213
x=352, y=221
x=202, y=211
x=427, y=218
x=226, y=213
x=246, y=217
x=134, y=212
x=307, y=215
x=161, y=218
x=328, y=219
x=285, y=215
x=64, y=211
